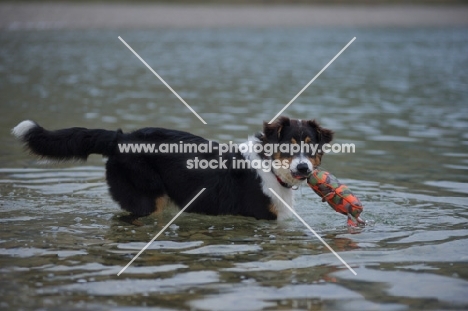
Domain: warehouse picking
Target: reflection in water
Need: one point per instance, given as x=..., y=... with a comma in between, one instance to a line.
x=391, y=93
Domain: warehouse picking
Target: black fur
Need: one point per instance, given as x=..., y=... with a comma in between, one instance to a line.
x=72, y=143
x=137, y=181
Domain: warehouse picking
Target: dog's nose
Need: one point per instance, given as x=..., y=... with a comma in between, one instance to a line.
x=303, y=168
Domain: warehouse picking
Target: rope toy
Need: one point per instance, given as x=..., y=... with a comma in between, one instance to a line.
x=337, y=195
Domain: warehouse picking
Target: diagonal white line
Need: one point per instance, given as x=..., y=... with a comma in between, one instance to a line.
x=162, y=80
x=312, y=230
x=162, y=230
x=310, y=82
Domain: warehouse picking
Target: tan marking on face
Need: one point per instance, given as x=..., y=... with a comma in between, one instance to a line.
x=277, y=156
x=160, y=203
x=316, y=160
x=293, y=141
x=307, y=140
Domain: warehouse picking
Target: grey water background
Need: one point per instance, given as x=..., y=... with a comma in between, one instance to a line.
x=399, y=94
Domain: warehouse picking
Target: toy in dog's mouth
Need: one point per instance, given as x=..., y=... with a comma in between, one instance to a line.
x=356, y=221
x=338, y=196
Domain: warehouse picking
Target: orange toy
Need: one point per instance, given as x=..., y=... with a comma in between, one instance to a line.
x=337, y=195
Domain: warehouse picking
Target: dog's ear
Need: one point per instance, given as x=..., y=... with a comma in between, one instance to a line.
x=274, y=130
x=324, y=136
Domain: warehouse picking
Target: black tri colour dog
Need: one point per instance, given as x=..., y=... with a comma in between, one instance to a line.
x=143, y=183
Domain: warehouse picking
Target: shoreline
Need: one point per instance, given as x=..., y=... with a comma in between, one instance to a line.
x=17, y=16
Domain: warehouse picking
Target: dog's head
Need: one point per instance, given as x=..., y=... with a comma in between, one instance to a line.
x=292, y=138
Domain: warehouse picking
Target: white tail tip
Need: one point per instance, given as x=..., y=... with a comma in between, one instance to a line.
x=23, y=128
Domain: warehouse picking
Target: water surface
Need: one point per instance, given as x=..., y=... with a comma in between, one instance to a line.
x=400, y=95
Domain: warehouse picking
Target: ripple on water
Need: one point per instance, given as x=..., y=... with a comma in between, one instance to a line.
x=128, y=287
x=454, y=251
x=93, y=270
x=392, y=138
x=23, y=252
x=224, y=249
x=414, y=285
x=254, y=297
x=159, y=245
x=460, y=187
x=53, y=181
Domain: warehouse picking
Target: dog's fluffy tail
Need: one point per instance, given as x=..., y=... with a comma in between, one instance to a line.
x=74, y=143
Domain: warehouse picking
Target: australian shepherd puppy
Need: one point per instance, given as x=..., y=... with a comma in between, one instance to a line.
x=143, y=183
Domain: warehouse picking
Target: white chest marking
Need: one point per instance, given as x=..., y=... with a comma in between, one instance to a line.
x=269, y=181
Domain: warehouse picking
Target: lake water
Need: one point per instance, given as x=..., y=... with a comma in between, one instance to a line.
x=400, y=95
